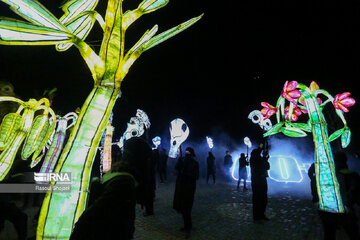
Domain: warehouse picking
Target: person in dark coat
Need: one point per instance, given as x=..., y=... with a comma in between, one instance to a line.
x=211, y=167
x=242, y=170
x=150, y=184
x=259, y=166
x=111, y=214
x=10, y=212
x=162, y=166
x=228, y=162
x=188, y=173
x=312, y=176
x=349, y=182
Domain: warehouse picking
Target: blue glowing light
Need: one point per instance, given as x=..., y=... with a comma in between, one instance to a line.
x=285, y=169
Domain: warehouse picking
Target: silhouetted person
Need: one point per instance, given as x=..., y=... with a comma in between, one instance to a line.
x=9, y=211
x=162, y=166
x=211, y=167
x=111, y=214
x=188, y=173
x=228, y=162
x=312, y=176
x=242, y=170
x=21, y=169
x=259, y=166
x=349, y=182
x=150, y=183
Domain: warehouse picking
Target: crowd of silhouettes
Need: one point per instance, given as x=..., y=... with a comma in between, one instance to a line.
x=111, y=207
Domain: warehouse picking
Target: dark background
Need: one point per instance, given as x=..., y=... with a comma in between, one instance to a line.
x=213, y=74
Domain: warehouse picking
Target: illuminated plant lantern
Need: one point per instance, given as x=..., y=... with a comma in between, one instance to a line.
x=156, y=141
x=285, y=169
x=179, y=132
x=303, y=99
x=106, y=156
x=108, y=69
x=49, y=136
x=257, y=118
x=23, y=127
x=210, y=142
x=57, y=142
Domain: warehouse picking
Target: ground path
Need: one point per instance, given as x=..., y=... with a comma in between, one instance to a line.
x=221, y=212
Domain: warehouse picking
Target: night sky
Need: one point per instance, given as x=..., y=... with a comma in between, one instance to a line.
x=213, y=74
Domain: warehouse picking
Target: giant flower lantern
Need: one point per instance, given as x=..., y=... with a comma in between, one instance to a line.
x=268, y=110
x=303, y=99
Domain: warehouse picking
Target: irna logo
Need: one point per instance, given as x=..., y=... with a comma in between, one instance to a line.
x=52, y=177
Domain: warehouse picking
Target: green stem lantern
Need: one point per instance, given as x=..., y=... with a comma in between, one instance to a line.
x=304, y=99
x=60, y=211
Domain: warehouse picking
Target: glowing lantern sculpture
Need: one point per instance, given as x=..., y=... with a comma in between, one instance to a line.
x=304, y=99
x=210, y=142
x=137, y=125
x=179, y=131
x=106, y=147
x=257, y=118
x=248, y=144
x=106, y=155
x=285, y=169
x=57, y=142
x=156, y=141
x=59, y=212
x=51, y=132
x=23, y=127
x=120, y=143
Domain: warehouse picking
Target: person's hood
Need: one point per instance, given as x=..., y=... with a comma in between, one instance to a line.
x=110, y=175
